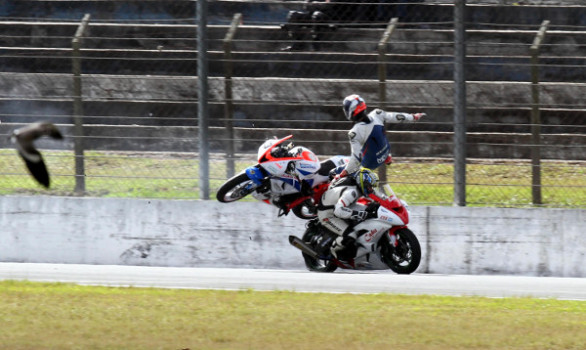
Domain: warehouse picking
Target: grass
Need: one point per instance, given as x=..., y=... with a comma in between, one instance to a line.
x=67, y=316
x=176, y=176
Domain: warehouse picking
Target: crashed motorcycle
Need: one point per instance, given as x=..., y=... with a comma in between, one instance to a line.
x=383, y=241
x=291, y=178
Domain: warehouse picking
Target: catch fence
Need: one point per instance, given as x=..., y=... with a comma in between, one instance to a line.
x=127, y=99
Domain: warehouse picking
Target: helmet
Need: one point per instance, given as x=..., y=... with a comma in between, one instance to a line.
x=366, y=180
x=353, y=106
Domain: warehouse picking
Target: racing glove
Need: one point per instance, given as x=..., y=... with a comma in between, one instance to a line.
x=372, y=209
x=344, y=173
x=358, y=215
x=418, y=116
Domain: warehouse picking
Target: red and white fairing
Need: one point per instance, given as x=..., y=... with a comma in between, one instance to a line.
x=393, y=211
x=392, y=214
x=305, y=162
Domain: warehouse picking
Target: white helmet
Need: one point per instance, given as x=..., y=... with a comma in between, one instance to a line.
x=353, y=105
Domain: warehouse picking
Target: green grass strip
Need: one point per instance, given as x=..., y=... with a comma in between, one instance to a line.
x=176, y=176
x=67, y=316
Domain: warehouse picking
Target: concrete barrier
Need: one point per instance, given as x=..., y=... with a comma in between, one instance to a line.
x=454, y=240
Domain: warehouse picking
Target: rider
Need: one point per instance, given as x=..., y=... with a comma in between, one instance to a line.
x=370, y=147
x=336, y=212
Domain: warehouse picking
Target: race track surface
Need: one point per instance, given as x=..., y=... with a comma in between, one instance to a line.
x=299, y=280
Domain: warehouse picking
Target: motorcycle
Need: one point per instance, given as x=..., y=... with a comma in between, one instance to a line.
x=289, y=177
x=383, y=242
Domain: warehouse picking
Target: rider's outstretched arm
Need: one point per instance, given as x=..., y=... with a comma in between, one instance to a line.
x=399, y=117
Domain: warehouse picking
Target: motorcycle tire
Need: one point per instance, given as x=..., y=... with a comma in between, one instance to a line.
x=228, y=192
x=404, y=258
x=313, y=264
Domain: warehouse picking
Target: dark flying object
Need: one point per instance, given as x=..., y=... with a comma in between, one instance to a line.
x=24, y=138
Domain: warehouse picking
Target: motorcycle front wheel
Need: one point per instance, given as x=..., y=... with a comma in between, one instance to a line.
x=311, y=236
x=404, y=257
x=235, y=188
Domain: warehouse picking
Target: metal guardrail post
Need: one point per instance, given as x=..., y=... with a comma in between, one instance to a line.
x=228, y=104
x=536, y=116
x=460, y=103
x=78, y=106
x=202, y=103
x=382, y=78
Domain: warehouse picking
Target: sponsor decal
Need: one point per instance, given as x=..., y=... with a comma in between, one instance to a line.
x=266, y=145
x=383, y=150
x=380, y=160
x=271, y=168
x=305, y=165
x=368, y=237
x=401, y=117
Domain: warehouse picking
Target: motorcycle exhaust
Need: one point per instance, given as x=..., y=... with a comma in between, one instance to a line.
x=299, y=244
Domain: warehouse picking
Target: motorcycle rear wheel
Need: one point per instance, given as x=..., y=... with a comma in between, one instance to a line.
x=234, y=189
x=404, y=258
x=313, y=264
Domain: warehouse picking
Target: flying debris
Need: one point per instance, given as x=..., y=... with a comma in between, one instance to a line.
x=24, y=138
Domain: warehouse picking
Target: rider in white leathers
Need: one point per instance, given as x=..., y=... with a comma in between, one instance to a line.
x=370, y=147
x=337, y=210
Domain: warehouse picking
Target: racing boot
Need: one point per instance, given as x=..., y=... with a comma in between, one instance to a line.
x=344, y=247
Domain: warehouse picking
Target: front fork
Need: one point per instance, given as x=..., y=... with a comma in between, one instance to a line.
x=256, y=174
x=393, y=235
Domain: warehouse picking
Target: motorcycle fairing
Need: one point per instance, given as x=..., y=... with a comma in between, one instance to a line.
x=264, y=151
x=392, y=217
x=305, y=164
x=300, y=159
x=292, y=181
x=392, y=208
x=255, y=174
x=368, y=249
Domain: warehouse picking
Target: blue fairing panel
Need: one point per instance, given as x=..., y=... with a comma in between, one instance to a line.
x=255, y=174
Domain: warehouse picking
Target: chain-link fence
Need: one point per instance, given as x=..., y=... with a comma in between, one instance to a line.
x=284, y=67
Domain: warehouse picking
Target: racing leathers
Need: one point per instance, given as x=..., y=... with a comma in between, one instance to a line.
x=336, y=212
x=370, y=147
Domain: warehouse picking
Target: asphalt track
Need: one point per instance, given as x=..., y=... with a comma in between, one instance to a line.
x=300, y=280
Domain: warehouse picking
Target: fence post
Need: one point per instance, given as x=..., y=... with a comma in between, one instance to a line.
x=78, y=106
x=228, y=106
x=459, y=103
x=536, y=117
x=202, y=94
x=382, y=77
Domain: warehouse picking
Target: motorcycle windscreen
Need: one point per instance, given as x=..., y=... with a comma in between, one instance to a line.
x=264, y=151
